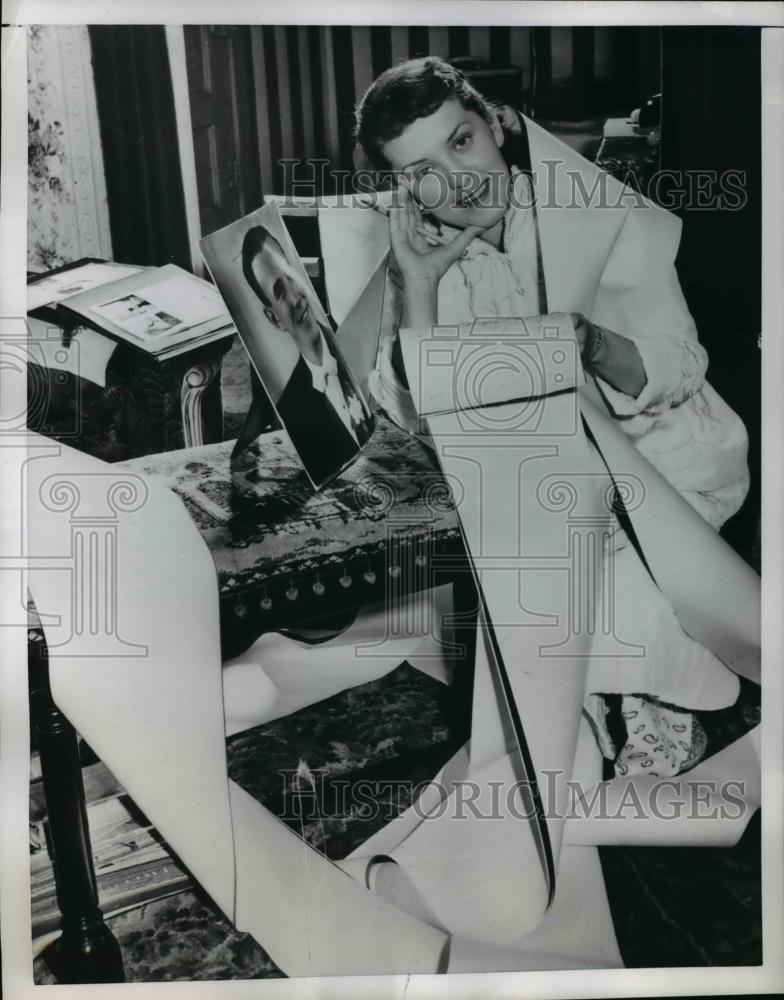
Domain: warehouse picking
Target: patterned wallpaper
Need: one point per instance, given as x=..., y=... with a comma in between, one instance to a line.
x=68, y=216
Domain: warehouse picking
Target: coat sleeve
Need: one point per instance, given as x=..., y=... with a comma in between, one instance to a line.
x=639, y=297
x=674, y=362
x=678, y=421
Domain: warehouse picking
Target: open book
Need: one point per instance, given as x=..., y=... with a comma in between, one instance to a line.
x=163, y=311
x=316, y=379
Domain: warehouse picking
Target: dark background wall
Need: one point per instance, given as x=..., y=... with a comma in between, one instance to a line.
x=260, y=95
x=309, y=78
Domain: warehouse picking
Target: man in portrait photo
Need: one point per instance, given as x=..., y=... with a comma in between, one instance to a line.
x=320, y=406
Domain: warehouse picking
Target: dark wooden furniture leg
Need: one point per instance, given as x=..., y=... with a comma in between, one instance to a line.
x=87, y=951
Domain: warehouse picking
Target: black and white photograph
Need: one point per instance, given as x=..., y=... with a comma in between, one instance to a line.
x=391, y=563
x=290, y=341
x=60, y=284
x=137, y=316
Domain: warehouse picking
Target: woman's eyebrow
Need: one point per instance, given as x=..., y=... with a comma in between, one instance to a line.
x=446, y=141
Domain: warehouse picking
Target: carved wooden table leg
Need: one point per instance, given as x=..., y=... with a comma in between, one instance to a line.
x=87, y=951
x=194, y=395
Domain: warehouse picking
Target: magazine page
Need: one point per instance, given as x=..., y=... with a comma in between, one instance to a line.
x=290, y=341
x=168, y=307
x=154, y=309
x=54, y=288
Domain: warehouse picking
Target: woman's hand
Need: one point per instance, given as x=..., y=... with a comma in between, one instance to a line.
x=420, y=265
x=581, y=328
x=611, y=356
x=416, y=259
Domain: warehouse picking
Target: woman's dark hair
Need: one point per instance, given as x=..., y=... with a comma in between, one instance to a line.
x=255, y=241
x=403, y=93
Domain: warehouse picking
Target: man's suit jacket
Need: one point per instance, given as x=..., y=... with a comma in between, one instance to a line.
x=322, y=440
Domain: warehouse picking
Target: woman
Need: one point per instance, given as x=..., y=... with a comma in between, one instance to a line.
x=466, y=175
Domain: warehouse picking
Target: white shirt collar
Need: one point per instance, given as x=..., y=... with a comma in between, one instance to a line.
x=328, y=366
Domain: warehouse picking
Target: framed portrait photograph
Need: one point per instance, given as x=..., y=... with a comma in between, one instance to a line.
x=290, y=341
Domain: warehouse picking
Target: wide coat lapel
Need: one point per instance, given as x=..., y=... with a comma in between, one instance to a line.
x=608, y=254
x=577, y=228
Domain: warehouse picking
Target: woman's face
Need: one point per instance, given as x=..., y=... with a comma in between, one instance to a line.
x=453, y=158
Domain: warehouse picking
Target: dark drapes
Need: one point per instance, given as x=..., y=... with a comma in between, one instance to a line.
x=139, y=138
x=310, y=78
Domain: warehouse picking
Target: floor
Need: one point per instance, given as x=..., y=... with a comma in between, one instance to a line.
x=671, y=907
